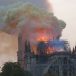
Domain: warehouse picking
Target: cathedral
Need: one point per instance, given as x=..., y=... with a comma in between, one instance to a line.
x=58, y=63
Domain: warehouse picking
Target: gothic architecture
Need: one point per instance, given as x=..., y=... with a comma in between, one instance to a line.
x=62, y=63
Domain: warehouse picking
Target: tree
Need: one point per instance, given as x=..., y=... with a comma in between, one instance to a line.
x=0, y=74
x=27, y=73
x=50, y=74
x=13, y=69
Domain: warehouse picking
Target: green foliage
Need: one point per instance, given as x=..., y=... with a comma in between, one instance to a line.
x=47, y=74
x=13, y=69
x=50, y=74
x=27, y=73
x=0, y=74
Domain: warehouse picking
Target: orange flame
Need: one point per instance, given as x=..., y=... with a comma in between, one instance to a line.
x=50, y=50
x=42, y=38
x=43, y=35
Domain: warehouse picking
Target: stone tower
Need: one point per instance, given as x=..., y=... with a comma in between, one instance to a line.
x=20, y=53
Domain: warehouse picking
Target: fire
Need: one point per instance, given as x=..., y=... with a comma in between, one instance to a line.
x=34, y=49
x=50, y=50
x=43, y=38
x=43, y=34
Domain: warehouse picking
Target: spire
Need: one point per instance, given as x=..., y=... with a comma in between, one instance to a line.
x=74, y=50
x=19, y=53
x=19, y=41
x=27, y=46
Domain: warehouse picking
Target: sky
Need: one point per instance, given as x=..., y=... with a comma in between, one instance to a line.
x=63, y=9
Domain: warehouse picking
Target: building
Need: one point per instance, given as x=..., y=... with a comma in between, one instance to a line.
x=62, y=63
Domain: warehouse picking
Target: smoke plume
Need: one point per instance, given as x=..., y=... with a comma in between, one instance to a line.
x=31, y=17
x=34, y=22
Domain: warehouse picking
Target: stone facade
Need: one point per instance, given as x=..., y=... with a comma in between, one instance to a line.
x=57, y=63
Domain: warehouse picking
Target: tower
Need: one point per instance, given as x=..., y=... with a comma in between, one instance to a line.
x=20, y=53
